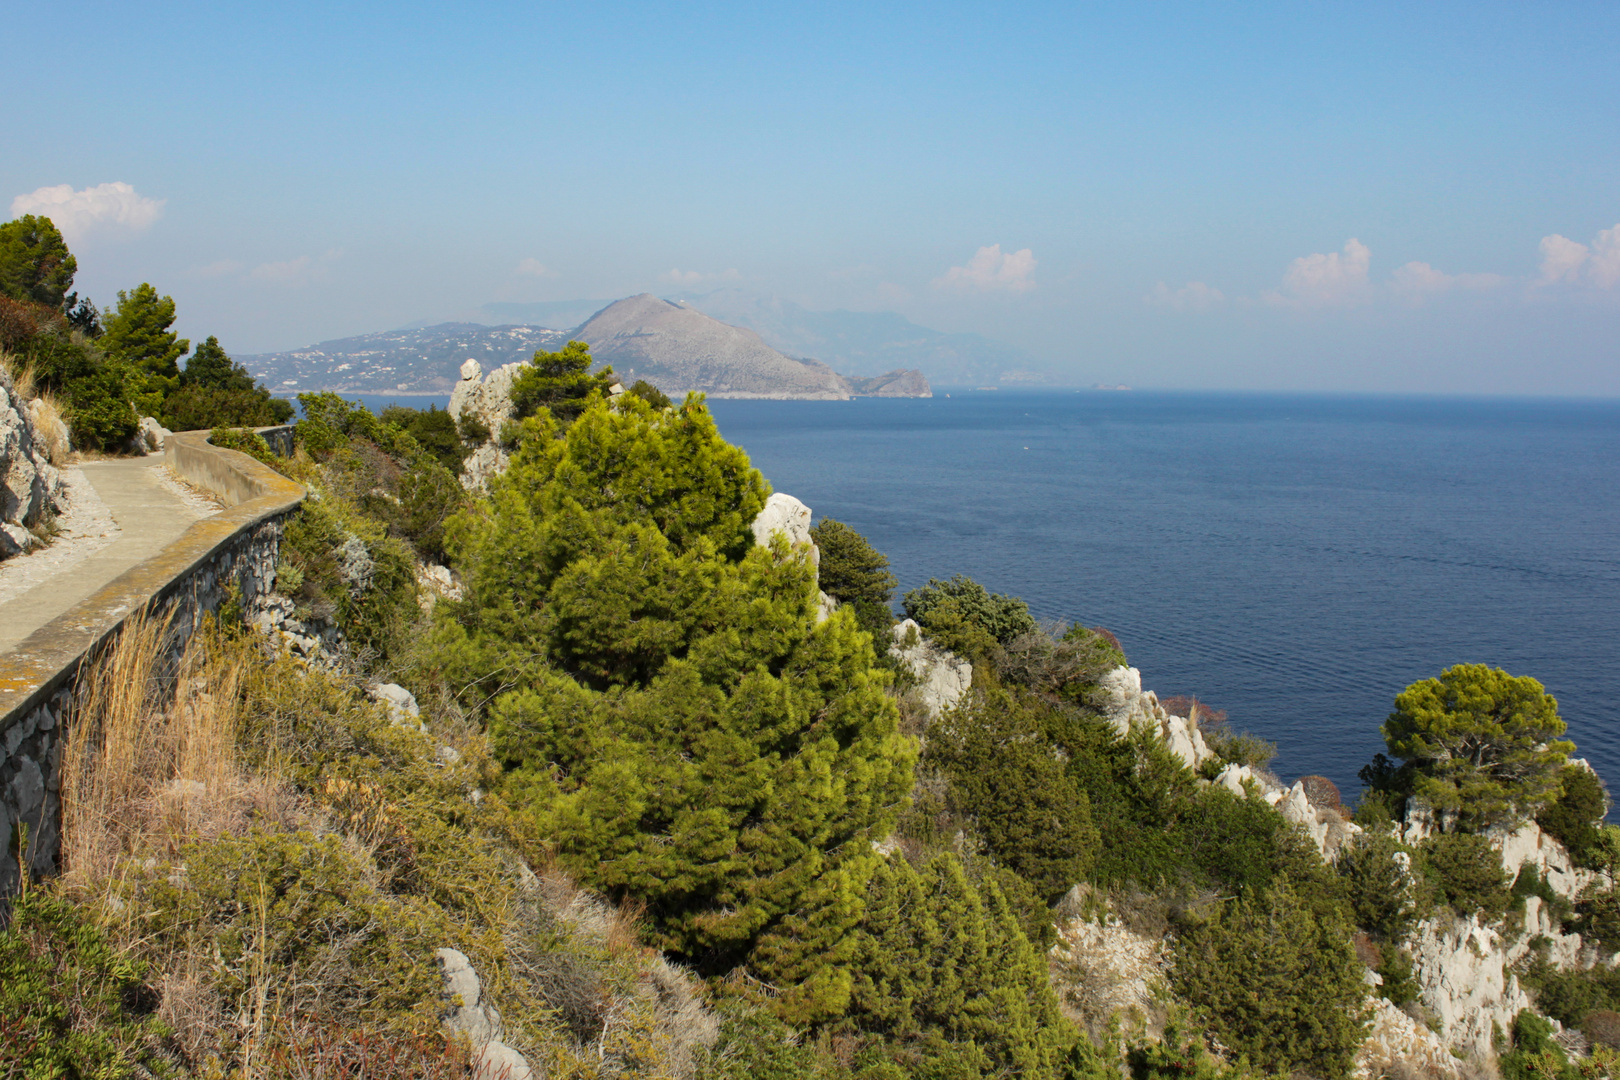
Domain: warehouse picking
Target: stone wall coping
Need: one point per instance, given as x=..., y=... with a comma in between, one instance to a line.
x=47, y=659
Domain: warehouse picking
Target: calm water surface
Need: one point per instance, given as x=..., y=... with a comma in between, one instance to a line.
x=1295, y=561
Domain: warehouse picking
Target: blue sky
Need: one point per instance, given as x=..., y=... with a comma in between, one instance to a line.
x=1296, y=196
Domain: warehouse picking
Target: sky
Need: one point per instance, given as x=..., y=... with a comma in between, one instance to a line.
x=1321, y=197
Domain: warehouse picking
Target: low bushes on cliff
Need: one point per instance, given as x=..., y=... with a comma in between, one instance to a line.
x=1276, y=979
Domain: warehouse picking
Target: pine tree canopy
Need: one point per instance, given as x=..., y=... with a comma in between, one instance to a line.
x=35, y=263
x=1481, y=743
x=676, y=723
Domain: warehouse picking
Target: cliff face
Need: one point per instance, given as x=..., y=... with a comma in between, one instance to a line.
x=29, y=483
x=679, y=349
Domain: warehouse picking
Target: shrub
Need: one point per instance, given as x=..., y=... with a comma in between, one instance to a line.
x=965, y=617
x=1597, y=916
x=853, y=572
x=1275, y=981
x=198, y=408
x=559, y=382
x=649, y=393
x=1322, y=792
x=472, y=429
x=76, y=1007
x=940, y=956
x=1466, y=874
x=434, y=430
x=1379, y=886
x=1062, y=661
x=1602, y=1026
x=1575, y=818
x=99, y=412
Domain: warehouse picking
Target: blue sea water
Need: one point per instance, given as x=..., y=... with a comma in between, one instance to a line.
x=1293, y=560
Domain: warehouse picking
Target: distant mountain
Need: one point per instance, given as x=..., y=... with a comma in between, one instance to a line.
x=674, y=346
x=421, y=360
x=867, y=343
x=678, y=348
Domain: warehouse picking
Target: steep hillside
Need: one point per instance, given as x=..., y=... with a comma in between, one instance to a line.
x=414, y=361
x=678, y=348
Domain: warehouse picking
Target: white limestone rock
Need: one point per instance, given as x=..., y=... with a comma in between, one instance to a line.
x=467, y=1014
x=1462, y=968
x=787, y=515
x=489, y=399
x=30, y=486
x=1125, y=705
x=942, y=676
x=149, y=438
x=1397, y=1045
x=400, y=703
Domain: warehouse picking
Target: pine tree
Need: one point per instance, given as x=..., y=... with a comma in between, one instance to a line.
x=853, y=572
x=1276, y=981
x=677, y=724
x=35, y=263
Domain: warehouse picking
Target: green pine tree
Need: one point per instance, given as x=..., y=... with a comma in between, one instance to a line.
x=137, y=335
x=677, y=724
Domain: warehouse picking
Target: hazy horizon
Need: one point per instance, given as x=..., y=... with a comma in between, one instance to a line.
x=1375, y=200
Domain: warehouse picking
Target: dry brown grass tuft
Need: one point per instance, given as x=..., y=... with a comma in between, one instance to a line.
x=150, y=760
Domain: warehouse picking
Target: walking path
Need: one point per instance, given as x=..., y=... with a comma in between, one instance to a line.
x=120, y=512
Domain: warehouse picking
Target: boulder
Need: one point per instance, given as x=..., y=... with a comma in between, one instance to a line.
x=489, y=399
x=400, y=703
x=467, y=1014
x=149, y=438
x=1125, y=704
x=787, y=515
x=942, y=676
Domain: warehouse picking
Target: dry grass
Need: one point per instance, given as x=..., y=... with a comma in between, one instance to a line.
x=42, y=407
x=150, y=760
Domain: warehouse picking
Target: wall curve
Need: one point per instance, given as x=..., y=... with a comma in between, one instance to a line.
x=236, y=548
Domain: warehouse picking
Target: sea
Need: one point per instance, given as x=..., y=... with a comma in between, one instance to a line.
x=1292, y=560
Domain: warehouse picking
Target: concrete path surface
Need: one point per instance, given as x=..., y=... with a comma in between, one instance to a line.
x=148, y=511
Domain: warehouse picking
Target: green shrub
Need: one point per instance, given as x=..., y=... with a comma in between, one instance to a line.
x=472, y=429
x=649, y=393
x=434, y=430
x=938, y=956
x=71, y=1006
x=1065, y=661
x=1597, y=917
x=965, y=617
x=1575, y=818
x=855, y=573
x=198, y=408
x=245, y=441
x=1466, y=874
x=559, y=382
x=1382, y=894
x=1032, y=813
x=99, y=412
x=1275, y=981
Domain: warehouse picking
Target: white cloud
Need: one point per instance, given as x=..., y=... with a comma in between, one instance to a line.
x=1561, y=258
x=1604, y=267
x=694, y=277
x=1417, y=281
x=300, y=271
x=534, y=268
x=77, y=213
x=1567, y=261
x=1326, y=279
x=992, y=270
x=1194, y=296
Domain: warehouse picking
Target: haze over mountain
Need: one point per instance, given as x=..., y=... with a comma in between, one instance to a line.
x=870, y=342
x=679, y=348
x=857, y=343
x=672, y=345
x=417, y=360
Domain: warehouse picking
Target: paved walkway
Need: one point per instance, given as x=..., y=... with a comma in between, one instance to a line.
x=148, y=512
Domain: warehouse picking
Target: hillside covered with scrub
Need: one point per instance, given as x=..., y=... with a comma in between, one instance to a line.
x=588, y=774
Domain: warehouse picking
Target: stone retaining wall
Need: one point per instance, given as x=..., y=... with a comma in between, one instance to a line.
x=236, y=548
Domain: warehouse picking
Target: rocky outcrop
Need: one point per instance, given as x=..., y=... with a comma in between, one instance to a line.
x=400, y=704
x=489, y=401
x=30, y=486
x=678, y=349
x=943, y=678
x=469, y=1015
x=149, y=436
x=787, y=515
x=1126, y=705
x=1108, y=976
